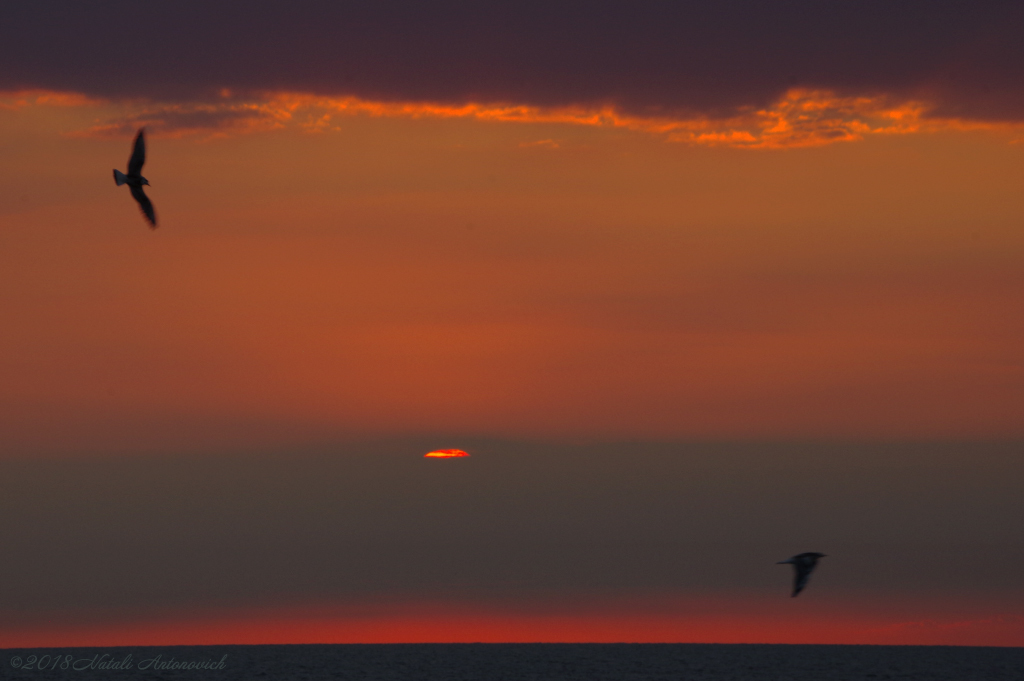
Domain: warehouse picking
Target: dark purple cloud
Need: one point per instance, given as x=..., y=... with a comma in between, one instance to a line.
x=644, y=56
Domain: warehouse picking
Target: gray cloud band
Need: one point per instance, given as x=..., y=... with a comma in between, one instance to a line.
x=706, y=58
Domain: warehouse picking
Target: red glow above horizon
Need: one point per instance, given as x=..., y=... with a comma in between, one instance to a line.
x=694, y=622
x=445, y=454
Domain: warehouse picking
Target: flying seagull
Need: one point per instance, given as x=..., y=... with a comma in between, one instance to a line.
x=135, y=180
x=803, y=564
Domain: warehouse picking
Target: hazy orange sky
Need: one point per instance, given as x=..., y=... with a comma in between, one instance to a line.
x=405, y=275
x=695, y=292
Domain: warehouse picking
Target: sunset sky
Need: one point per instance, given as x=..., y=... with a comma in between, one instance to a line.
x=696, y=285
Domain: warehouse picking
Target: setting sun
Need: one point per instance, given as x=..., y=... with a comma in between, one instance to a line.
x=445, y=454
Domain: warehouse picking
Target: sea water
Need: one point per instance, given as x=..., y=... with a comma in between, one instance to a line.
x=519, y=662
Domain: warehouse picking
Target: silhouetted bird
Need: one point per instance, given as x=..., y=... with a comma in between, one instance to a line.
x=803, y=564
x=135, y=180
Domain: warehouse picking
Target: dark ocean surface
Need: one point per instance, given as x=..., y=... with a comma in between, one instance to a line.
x=521, y=662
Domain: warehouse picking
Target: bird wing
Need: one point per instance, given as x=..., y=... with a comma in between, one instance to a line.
x=138, y=155
x=801, y=574
x=145, y=204
x=803, y=564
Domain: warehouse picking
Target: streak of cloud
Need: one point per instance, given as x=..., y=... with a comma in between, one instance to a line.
x=13, y=101
x=800, y=118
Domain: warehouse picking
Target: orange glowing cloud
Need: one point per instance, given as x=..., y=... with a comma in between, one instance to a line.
x=799, y=118
x=26, y=98
x=445, y=454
